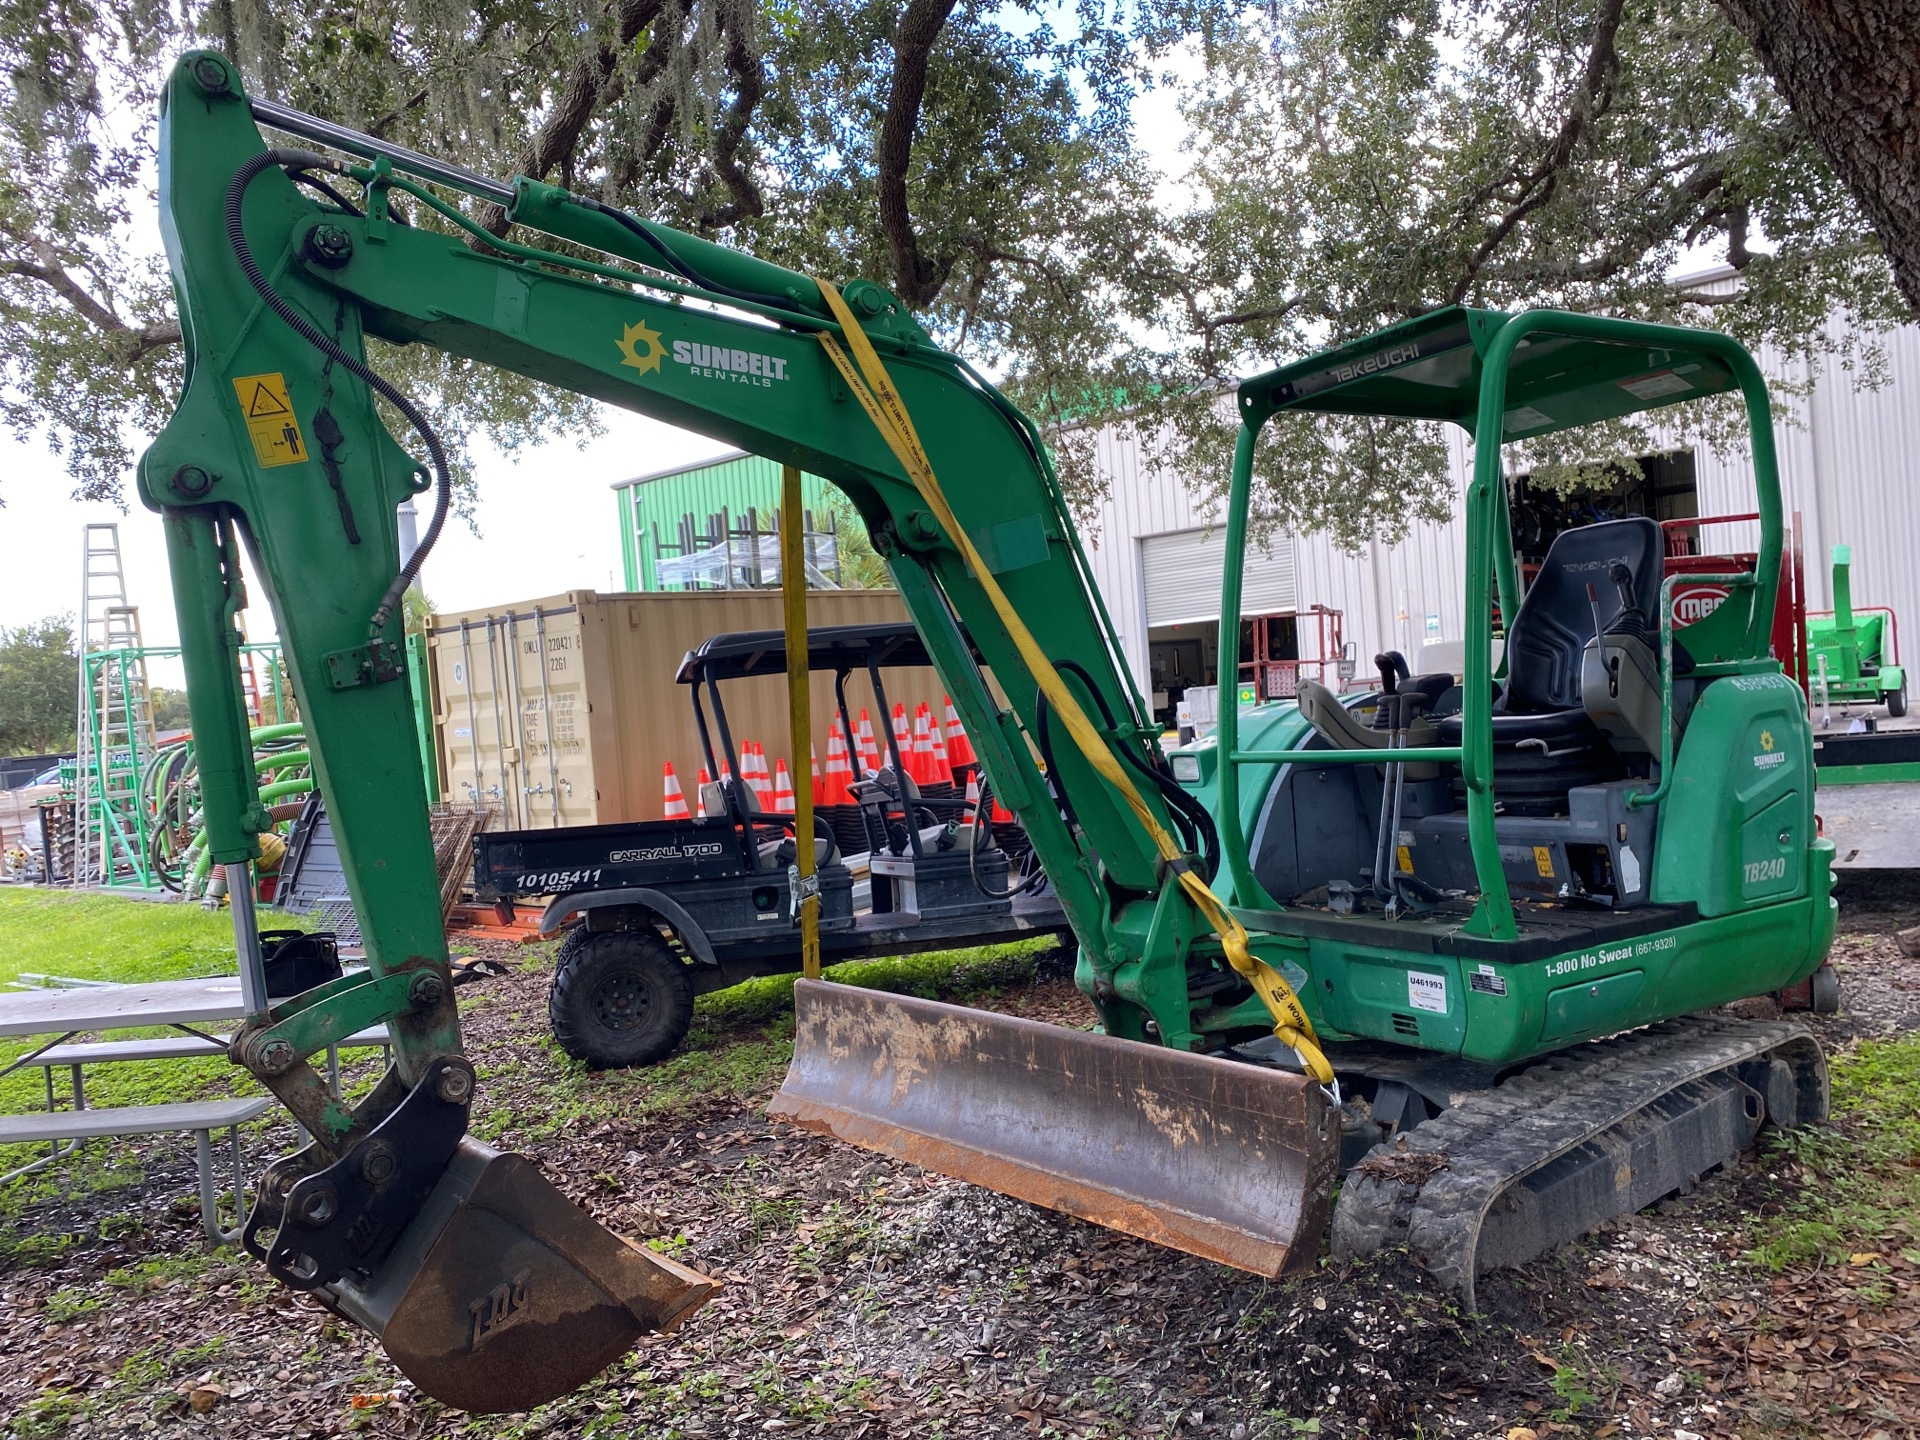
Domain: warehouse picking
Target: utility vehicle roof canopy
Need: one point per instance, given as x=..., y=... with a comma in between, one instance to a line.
x=1430, y=368
x=829, y=647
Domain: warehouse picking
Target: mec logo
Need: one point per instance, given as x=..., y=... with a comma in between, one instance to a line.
x=1696, y=602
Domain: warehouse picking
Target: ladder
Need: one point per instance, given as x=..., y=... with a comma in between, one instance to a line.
x=114, y=728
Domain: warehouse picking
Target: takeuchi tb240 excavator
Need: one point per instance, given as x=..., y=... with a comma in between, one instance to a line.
x=1389, y=933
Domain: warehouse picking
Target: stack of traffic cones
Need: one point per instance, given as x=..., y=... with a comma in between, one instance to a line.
x=753, y=769
x=783, y=798
x=676, y=802
x=814, y=782
x=869, y=756
x=959, y=747
x=942, y=759
x=837, y=802
x=700, y=791
x=902, y=738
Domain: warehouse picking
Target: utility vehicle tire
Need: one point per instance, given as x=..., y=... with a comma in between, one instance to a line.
x=620, y=998
x=1897, y=701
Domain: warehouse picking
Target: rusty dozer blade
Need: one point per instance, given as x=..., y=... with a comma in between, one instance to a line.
x=503, y=1293
x=1225, y=1160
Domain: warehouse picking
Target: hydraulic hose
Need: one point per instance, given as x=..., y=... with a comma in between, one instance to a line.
x=981, y=810
x=328, y=346
x=671, y=260
x=1196, y=824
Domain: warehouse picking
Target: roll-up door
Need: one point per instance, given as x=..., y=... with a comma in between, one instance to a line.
x=1183, y=572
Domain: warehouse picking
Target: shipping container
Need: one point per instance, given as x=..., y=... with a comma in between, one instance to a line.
x=562, y=711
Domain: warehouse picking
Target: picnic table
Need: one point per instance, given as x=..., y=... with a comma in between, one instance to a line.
x=184, y=1005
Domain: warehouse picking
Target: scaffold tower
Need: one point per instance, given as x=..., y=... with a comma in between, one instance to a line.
x=114, y=722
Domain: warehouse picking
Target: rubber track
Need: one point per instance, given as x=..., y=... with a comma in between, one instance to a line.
x=1495, y=1138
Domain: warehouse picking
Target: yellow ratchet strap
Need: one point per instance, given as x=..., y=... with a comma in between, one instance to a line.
x=875, y=391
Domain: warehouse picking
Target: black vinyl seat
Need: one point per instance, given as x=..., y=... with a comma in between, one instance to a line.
x=1551, y=629
x=1545, y=739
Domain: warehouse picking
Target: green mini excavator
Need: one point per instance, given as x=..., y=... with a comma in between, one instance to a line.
x=1458, y=934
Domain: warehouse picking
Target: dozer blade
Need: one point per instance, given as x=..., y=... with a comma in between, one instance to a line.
x=503, y=1293
x=1229, y=1161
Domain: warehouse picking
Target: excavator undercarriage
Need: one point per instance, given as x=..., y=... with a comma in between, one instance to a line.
x=1393, y=928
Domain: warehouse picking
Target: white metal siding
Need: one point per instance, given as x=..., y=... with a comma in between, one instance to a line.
x=1849, y=463
x=1182, y=574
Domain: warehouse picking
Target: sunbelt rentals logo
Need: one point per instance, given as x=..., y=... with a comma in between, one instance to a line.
x=645, y=349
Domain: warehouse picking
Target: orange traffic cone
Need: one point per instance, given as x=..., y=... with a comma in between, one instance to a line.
x=753, y=767
x=972, y=811
x=834, y=790
x=942, y=762
x=700, y=792
x=783, y=797
x=818, y=785
x=869, y=753
x=921, y=766
x=1001, y=815
x=902, y=737
x=676, y=802
x=959, y=747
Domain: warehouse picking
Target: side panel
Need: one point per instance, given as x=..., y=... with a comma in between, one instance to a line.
x=1737, y=824
x=1500, y=1013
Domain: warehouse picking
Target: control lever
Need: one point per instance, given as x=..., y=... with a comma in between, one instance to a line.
x=1612, y=663
x=1622, y=579
x=1393, y=669
x=1593, y=603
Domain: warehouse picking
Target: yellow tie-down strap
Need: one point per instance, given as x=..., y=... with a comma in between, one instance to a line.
x=874, y=389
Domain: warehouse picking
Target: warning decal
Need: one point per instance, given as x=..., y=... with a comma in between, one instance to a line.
x=270, y=419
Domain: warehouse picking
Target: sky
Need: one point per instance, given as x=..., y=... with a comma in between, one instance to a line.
x=546, y=524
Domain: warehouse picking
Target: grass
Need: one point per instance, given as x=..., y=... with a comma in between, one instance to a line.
x=971, y=974
x=111, y=937
x=1860, y=1177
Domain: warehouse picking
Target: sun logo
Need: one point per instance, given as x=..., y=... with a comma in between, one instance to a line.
x=644, y=360
x=1766, y=741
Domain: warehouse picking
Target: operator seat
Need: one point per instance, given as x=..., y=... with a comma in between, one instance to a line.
x=1545, y=740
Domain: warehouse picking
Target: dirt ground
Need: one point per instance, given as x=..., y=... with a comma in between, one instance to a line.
x=865, y=1299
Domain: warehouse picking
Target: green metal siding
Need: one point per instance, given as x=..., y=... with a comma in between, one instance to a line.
x=746, y=482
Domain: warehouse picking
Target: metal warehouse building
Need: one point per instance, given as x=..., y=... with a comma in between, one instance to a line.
x=1849, y=464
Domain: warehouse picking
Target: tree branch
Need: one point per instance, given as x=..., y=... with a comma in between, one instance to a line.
x=750, y=80
x=1591, y=100
x=916, y=279
x=579, y=98
x=138, y=340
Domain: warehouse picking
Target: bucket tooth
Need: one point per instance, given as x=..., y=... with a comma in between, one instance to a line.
x=1224, y=1160
x=504, y=1294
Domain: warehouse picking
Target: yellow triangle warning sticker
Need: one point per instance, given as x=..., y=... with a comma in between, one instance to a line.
x=265, y=402
x=268, y=412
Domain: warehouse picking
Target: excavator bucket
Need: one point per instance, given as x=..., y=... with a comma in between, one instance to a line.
x=503, y=1293
x=1230, y=1161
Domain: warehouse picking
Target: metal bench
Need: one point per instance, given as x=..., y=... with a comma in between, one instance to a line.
x=202, y=1117
x=183, y=1045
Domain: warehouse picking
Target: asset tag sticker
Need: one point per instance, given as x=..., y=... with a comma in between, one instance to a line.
x=1427, y=992
x=1487, y=981
x=268, y=411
